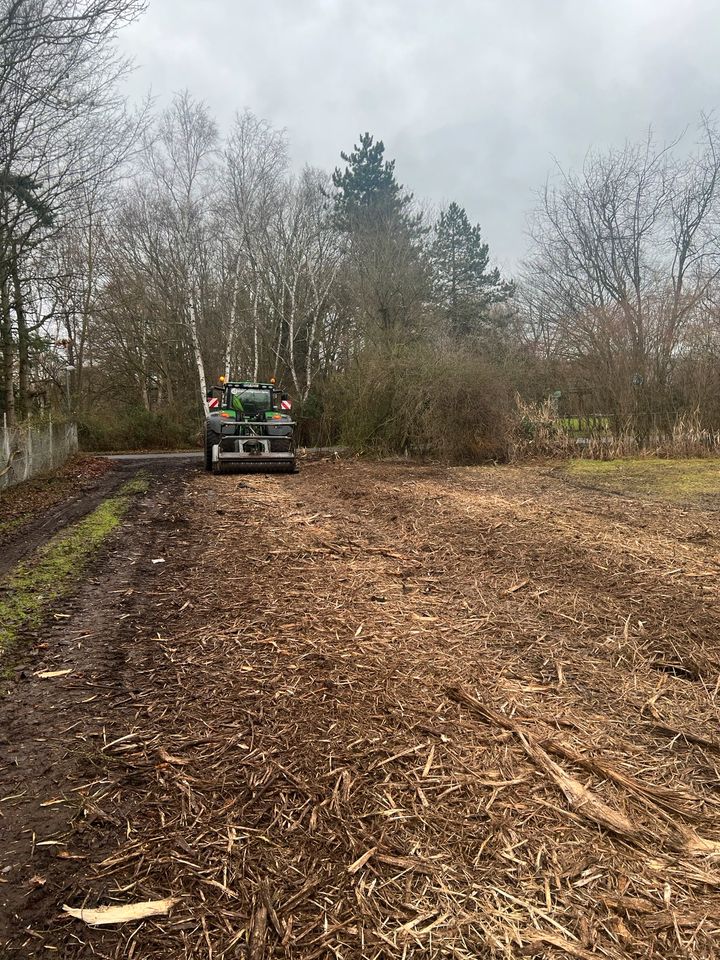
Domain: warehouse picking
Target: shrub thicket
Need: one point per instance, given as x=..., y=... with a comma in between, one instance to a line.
x=135, y=428
x=418, y=400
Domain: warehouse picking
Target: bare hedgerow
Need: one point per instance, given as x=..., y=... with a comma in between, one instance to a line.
x=420, y=399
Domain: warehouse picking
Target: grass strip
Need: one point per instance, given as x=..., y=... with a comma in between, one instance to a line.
x=34, y=584
x=677, y=480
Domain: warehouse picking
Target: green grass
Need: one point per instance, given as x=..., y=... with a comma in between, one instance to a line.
x=676, y=480
x=36, y=583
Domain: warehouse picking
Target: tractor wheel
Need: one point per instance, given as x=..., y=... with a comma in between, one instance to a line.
x=211, y=438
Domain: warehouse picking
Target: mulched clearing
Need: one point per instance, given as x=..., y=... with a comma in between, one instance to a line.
x=414, y=711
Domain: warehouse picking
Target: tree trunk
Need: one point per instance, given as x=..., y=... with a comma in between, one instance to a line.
x=291, y=332
x=23, y=346
x=232, y=333
x=8, y=351
x=23, y=399
x=278, y=346
x=256, y=357
x=256, y=360
x=85, y=319
x=198, y=356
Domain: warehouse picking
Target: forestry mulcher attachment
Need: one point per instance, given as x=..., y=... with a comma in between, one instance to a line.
x=249, y=427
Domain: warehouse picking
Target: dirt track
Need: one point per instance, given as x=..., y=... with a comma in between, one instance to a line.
x=374, y=711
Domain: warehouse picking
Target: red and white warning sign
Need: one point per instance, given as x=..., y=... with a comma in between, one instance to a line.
x=286, y=405
x=213, y=403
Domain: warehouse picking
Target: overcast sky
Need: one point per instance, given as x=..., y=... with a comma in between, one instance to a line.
x=473, y=98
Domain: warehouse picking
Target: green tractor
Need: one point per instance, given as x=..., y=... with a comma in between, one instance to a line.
x=249, y=427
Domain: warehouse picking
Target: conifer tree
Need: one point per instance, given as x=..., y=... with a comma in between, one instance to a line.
x=464, y=284
x=386, y=270
x=367, y=190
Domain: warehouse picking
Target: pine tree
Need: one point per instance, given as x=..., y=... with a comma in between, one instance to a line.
x=367, y=190
x=463, y=283
x=386, y=271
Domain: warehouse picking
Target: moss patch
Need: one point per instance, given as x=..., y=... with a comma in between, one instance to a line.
x=668, y=479
x=34, y=584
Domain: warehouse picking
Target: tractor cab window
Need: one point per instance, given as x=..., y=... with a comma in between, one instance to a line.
x=249, y=402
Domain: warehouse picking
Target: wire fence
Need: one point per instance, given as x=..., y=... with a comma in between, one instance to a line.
x=30, y=449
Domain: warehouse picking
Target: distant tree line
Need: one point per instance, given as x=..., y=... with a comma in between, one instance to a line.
x=620, y=295
x=143, y=254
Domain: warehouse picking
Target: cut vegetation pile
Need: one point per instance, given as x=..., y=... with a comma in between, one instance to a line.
x=418, y=712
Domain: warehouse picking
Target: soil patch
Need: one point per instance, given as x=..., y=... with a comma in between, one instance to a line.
x=72, y=687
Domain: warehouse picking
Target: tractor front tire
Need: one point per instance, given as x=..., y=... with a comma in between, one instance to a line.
x=211, y=438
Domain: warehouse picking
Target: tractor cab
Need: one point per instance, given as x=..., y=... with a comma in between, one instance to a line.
x=249, y=401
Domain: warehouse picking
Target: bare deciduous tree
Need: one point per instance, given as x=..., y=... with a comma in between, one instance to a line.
x=626, y=255
x=63, y=126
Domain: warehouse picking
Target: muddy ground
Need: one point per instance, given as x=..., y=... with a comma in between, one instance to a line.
x=370, y=710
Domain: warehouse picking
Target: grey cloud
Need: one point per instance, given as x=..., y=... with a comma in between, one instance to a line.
x=473, y=98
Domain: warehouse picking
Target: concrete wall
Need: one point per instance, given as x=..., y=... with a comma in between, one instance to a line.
x=28, y=450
